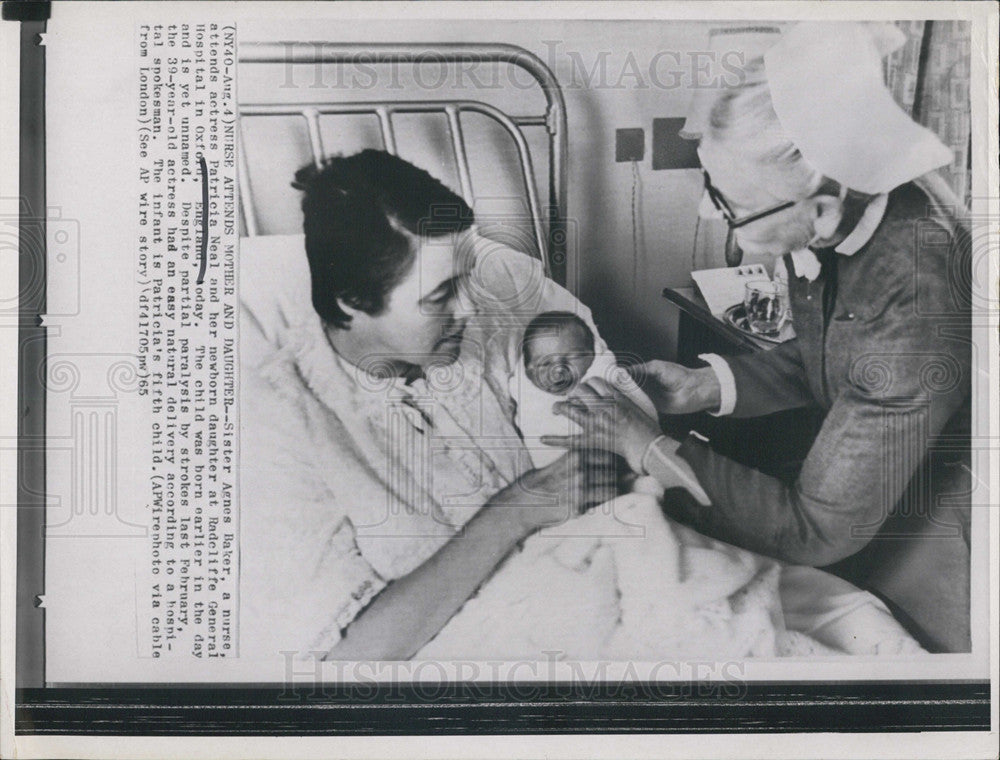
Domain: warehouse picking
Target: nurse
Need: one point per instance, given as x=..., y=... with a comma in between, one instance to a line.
x=811, y=160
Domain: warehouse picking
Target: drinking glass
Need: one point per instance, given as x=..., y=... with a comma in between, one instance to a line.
x=766, y=306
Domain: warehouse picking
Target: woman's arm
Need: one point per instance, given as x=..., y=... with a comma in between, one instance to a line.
x=411, y=610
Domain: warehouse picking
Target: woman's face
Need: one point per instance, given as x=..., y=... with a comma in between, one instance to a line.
x=746, y=192
x=422, y=322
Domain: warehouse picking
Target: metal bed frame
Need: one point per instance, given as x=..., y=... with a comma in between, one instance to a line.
x=551, y=243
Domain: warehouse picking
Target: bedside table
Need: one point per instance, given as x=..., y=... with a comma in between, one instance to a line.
x=698, y=328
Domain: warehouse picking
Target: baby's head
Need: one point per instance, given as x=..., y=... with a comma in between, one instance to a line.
x=557, y=349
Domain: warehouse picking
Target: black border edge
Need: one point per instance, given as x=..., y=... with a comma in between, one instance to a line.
x=435, y=708
x=27, y=10
x=32, y=344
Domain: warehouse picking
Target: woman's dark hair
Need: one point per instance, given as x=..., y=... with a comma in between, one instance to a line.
x=355, y=209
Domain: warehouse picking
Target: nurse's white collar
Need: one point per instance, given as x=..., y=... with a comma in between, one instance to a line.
x=806, y=263
x=866, y=226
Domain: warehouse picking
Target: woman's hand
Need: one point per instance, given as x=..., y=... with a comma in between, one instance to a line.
x=610, y=421
x=552, y=494
x=678, y=390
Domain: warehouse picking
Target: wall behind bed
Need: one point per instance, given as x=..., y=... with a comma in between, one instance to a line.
x=614, y=75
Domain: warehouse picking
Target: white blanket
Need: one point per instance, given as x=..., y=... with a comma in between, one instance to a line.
x=623, y=582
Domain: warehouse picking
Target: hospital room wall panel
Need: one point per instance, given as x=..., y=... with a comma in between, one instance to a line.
x=631, y=228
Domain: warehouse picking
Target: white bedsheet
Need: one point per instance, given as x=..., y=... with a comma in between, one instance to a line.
x=624, y=582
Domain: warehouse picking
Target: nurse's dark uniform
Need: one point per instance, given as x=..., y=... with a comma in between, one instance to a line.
x=883, y=346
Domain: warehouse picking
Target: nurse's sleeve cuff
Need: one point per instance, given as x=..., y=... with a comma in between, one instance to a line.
x=727, y=383
x=662, y=462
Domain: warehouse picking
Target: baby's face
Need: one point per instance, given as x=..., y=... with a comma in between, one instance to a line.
x=556, y=361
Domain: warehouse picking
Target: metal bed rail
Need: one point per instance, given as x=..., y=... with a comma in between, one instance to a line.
x=384, y=111
x=551, y=246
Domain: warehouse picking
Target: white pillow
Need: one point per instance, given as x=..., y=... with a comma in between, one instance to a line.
x=275, y=284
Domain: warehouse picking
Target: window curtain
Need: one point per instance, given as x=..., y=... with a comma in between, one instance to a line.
x=929, y=77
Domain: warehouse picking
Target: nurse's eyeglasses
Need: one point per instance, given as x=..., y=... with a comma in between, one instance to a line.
x=735, y=222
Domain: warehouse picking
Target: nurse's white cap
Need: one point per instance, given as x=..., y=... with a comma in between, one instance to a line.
x=829, y=95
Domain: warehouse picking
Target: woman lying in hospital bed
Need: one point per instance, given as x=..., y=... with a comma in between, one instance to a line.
x=621, y=581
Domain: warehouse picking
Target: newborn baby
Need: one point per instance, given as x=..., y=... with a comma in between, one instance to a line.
x=557, y=350
x=557, y=353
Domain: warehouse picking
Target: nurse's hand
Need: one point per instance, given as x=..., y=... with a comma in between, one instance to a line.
x=610, y=421
x=674, y=389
